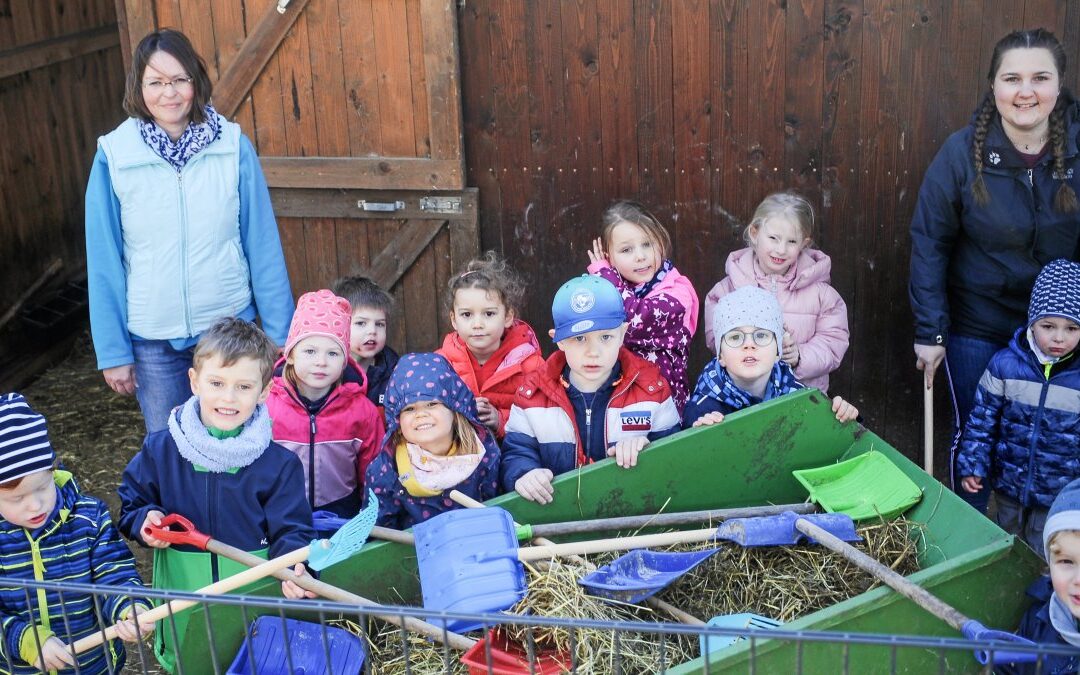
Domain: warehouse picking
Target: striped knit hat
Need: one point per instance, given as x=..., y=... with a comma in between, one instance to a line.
x=24, y=442
x=1056, y=292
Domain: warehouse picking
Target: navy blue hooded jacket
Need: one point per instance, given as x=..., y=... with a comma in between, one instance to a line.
x=1024, y=430
x=1036, y=626
x=427, y=377
x=378, y=375
x=972, y=266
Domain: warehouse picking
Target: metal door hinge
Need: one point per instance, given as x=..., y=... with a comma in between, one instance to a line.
x=441, y=204
x=365, y=205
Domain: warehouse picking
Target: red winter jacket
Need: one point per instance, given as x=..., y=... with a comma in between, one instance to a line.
x=519, y=355
x=334, y=444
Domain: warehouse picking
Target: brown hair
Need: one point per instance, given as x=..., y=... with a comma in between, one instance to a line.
x=789, y=205
x=231, y=339
x=463, y=433
x=1065, y=199
x=489, y=273
x=629, y=211
x=175, y=44
x=363, y=292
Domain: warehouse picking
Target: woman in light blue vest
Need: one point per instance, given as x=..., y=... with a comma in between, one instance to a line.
x=179, y=230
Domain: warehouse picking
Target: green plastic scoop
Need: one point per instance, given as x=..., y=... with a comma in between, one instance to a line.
x=866, y=486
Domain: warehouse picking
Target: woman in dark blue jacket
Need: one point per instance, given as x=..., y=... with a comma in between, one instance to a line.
x=998, y=202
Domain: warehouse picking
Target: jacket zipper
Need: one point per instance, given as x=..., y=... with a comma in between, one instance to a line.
x=311, y=460
x=210, y=511
x=1031, y=443
x=183, y=253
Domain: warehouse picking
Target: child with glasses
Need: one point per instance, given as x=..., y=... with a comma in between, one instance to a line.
x=749, y=327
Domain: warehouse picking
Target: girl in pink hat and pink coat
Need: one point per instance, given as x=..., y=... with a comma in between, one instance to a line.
x=319, y=406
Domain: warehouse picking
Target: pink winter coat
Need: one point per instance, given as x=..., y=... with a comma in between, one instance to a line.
x=814, y=312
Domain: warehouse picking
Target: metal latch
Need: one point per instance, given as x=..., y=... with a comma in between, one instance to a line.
x=441, y=204
x=365, y=205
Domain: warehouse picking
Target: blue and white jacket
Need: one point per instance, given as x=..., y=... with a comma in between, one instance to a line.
x=542, y=432
x=1024, y=430
x=78, y=544
x=168, y=253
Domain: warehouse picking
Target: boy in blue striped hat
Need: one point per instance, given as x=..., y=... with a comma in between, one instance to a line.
x=49, y=531
x=1024, y=428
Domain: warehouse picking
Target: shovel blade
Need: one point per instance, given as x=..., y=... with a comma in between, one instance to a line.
x=639, y=574
x=781, y=531
x=468, y=563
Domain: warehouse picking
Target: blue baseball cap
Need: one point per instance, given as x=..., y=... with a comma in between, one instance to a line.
x=585, y=304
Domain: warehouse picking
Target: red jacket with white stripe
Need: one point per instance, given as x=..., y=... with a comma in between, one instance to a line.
x=542, y=432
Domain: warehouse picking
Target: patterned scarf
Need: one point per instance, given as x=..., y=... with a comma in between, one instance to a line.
x=195, y=138
x=716, y=383
x=427, y=475
x=197, y=446
x=641, y=290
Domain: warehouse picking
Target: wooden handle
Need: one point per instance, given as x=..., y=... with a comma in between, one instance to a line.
x=264, y=569
x=337, y=594
x=615, y=544
x=886, y=575
x=465, y=500
x=665, y=519
x=928, y=429
x=390, y=534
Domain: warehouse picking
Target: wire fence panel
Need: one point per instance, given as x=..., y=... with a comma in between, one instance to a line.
x=305, y=637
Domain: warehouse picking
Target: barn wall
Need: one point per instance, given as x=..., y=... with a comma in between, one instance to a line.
x=61, y=82
x=701, y=108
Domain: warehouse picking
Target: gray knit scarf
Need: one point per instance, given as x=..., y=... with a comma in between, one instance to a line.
x=1063, y=621
x=197, y=446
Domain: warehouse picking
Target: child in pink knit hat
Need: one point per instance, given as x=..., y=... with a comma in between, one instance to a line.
x=319, y=406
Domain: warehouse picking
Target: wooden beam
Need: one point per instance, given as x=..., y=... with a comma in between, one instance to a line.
x=399, y=255
x=137, y=20
x=235, y=83
x=371, y=173
x=58, y=49
x=320, y=203
x=438, y=20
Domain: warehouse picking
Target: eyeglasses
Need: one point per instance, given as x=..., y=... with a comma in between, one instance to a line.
x=158, y=86
x=736, y=338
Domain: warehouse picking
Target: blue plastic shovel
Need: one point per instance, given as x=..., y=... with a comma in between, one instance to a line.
x=469, y=559
x=797, y=527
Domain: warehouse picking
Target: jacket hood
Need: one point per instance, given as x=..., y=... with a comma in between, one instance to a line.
x=427, y=377
x=811, y=267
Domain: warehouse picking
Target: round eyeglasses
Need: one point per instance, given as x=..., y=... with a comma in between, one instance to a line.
x=736, y=338
x=159, y=86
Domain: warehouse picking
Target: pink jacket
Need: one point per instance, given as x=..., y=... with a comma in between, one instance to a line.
x=336, y=444
x=814, y=312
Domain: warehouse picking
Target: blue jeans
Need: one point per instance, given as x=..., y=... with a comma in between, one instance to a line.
x=162, y=376
x=965, y=360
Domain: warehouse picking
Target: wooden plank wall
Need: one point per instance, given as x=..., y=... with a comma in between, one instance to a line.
x=50, y=117
x=700, y=108
x=347, y=81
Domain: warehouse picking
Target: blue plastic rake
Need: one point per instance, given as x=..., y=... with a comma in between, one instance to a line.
x=348, y=540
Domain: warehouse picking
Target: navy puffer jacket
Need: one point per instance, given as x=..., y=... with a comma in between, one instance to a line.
x=1024, y=431
x=972, y=266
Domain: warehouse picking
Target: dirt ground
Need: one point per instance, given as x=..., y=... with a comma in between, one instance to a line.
x=95, y=432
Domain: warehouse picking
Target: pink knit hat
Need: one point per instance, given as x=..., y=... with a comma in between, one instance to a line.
x=321, y=313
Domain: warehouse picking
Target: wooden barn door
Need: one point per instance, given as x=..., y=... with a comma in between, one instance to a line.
x=355, y=109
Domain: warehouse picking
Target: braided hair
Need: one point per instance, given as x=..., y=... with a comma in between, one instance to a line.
x=1065, y=200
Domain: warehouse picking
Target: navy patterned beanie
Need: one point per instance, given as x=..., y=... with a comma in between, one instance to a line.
x=1056, y=292
x=24, y=442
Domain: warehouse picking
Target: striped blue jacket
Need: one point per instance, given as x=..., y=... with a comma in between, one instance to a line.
x=77, y=544
x=1024, y=431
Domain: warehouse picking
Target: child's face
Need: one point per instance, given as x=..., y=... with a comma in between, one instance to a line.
x=749, y=361
x=591, y=356
x=428, y=424
x=318, y=363
x=29, y=504
x=227, y=394
x=367, y=335
x=777, y=243
x=1055, y=336
x=633, y=254
x=1065, y=570
x=480, y=319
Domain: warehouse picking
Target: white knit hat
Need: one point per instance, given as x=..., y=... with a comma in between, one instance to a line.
x=749, y=306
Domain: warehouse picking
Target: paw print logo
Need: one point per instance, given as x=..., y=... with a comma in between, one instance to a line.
x=994, y=158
